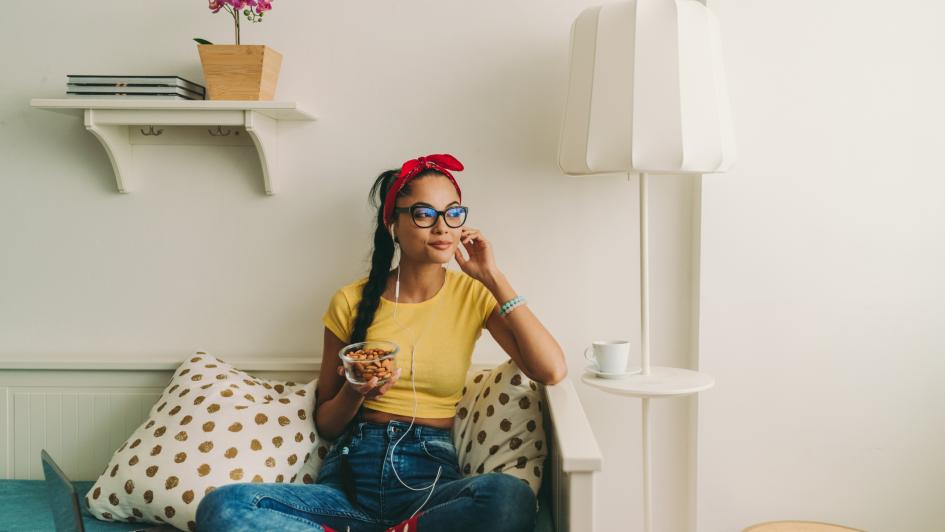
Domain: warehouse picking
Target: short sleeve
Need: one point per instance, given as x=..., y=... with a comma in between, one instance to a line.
x=487, y=303
x=338, y=317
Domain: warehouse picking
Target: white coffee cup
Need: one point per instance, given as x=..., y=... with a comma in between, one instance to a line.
x=610, y=356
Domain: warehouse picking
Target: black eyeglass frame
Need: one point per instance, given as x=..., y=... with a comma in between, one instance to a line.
x=436, y=219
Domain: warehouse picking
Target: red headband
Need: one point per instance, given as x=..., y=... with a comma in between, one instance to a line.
x=442, y=163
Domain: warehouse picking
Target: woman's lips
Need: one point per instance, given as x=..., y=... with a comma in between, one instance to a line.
x=441, y=246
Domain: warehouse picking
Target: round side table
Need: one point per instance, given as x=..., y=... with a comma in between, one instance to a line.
x=660, y=381
x=799, y=526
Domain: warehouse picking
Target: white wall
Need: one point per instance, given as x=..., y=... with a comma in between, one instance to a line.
x=820, y=257
x=822, y=261
x=198, y=257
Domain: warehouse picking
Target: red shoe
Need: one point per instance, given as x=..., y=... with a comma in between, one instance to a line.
x=409, y=525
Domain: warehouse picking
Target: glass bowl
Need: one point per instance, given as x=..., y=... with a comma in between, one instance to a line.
x=374, y=358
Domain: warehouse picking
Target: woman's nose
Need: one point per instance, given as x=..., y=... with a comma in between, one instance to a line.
x=440, y=225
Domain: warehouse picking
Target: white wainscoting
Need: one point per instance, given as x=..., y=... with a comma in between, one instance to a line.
x=79, y=428
x=79, y=415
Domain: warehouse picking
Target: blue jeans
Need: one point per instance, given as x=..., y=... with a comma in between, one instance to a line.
x=492, y=502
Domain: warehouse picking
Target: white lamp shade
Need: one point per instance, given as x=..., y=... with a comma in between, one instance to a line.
x=646, y=91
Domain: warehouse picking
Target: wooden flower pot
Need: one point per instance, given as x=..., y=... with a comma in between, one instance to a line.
x=240, y=71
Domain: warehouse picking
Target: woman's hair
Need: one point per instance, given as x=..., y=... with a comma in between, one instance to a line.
x=382, y=259
x=383, y=255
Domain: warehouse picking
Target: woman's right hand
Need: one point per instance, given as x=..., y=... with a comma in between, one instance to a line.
x=371, y=389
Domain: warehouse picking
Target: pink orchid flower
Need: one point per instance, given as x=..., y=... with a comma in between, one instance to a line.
x=252, y=9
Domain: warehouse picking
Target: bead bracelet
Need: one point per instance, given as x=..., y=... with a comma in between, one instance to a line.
x=511, y=304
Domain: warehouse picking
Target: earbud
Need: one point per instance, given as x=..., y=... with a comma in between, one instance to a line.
x=392, y=236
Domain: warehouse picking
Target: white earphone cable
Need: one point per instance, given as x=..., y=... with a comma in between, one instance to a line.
x=413, y=384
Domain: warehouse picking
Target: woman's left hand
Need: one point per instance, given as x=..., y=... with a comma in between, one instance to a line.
x=480, y=264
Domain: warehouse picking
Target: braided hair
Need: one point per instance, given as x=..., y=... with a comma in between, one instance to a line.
x=382, y=257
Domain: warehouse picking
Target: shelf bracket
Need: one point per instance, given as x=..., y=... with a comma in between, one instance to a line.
x=116, y=123
x=264, y=131
x=114, y=139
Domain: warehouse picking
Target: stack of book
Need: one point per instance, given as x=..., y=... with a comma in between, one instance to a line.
x=149, y=87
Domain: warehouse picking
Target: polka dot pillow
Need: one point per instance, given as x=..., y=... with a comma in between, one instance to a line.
x=499, y=425
x=213, y=425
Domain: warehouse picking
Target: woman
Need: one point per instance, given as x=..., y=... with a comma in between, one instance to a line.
x=393, y=465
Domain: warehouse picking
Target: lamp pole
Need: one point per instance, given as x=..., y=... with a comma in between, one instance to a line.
x=645, y=355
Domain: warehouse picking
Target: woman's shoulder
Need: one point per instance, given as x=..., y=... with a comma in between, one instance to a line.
x=357, y=284
x=458, y=280
x=456, y=277
x=352, y=290
x=461, y=281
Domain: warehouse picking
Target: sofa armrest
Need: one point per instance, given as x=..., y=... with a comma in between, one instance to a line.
x=574, y=458
x=575, y=442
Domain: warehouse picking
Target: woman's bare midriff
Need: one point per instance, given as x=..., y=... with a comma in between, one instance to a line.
x=376, y=416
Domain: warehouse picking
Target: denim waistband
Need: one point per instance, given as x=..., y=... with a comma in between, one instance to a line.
x=395, y=429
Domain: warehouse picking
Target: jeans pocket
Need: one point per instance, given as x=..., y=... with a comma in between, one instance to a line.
x=335, y=450
x=441, y=451
x=331, y=458
x=330, y=463
x=330, y=468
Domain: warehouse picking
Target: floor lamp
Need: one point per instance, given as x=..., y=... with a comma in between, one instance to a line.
x=647, y=95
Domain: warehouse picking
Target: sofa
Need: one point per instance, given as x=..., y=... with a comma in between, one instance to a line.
x=80, y=411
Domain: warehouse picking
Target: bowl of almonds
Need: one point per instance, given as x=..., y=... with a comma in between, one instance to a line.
x=374, y=358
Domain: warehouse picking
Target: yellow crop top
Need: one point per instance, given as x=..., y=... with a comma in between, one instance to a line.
x=444, y=351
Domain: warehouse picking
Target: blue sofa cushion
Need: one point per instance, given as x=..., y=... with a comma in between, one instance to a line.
x=25, y=507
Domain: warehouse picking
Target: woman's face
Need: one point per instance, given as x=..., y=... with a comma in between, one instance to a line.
x=438, y=192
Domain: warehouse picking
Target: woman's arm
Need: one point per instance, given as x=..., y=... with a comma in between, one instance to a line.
x=535, y=351
x=333, y=415
x=335, y=403
x=520, y=333
x=337, y=400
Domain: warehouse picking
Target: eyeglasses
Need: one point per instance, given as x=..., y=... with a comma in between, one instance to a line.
x=426, y=216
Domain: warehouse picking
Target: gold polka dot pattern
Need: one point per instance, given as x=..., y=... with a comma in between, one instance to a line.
x=499, y=426
x=213, y=425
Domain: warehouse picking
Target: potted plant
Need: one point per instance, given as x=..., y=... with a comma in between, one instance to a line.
x=239, y=71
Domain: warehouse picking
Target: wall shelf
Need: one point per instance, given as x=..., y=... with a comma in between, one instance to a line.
x=120, y=123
